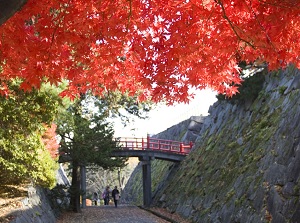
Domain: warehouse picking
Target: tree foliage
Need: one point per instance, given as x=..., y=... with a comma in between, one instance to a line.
x=159, y=48
x=248, y=91
x=87, y=139
x=25, y=119
x=49, y=139
x=253, y=81
x=122, y=105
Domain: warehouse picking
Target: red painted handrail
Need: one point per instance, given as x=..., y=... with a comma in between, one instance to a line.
x=155, y=144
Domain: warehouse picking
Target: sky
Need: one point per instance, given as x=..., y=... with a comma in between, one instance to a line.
x=164, y=116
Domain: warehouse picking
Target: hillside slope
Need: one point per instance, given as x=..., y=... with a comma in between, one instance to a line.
x=246, y=163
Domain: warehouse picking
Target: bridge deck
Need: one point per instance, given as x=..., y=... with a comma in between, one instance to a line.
x=155, y=145
x=147, y=147
x=152, y=147
x=174, y=157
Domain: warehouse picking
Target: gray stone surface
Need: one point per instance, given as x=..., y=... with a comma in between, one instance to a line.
x=37, y=207
x=245, y=165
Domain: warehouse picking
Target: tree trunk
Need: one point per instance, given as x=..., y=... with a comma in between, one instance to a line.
x=119, y=178
x=8, y=8
x=75, y=188
x=83, y=185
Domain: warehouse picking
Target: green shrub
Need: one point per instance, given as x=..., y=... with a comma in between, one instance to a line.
x=248, y=91
x=23, y=155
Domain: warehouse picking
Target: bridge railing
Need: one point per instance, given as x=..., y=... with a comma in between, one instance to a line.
x=155, y=144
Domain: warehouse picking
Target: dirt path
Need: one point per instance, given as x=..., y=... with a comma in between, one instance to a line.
x=110, y=214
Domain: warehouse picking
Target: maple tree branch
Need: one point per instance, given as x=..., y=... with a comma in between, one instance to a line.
x=129, y=14
x=219, y=2
x=59, y=19
x=130, y=10
x=212, y=11
x=261, y=26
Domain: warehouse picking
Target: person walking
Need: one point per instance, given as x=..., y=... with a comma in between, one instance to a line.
x=95, y=198
x=105, y=195
x=116, y=195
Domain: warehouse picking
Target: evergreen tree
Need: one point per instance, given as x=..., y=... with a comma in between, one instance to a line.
x=86, y=139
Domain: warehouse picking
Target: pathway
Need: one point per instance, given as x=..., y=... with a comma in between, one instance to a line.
x=110, y=214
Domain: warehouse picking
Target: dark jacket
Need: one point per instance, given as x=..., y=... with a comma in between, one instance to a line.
x=114, y=192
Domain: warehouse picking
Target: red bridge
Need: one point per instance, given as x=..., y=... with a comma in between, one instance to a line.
x=155, y=145
x=147, y=149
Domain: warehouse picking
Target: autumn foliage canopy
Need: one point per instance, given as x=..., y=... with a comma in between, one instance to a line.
x=159, y=48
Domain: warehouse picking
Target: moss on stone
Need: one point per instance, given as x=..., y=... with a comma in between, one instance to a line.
x=233, y=158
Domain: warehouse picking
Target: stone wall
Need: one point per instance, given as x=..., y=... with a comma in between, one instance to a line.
x=35, y=208
x=186, y=131
x=40, y=206
x=245, y=166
